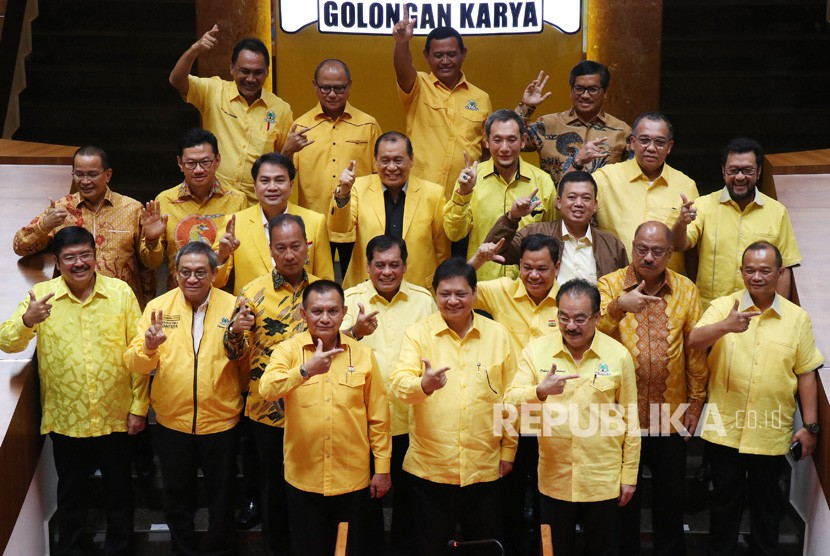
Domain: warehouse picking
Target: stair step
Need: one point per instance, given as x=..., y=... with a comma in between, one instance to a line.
x=83, y=16
x=797, y=91
x=108, y=50
x=90, y=83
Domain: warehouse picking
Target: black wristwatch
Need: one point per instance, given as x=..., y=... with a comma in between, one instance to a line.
x=576, y=166
x=812, y=428
x=303, y=372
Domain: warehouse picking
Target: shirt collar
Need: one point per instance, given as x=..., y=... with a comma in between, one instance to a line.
x=437, y=82
x=443, y=328
x=235, y=94
x=403, y=189
x=215, y=189
x=521, y=291
x=401, y=295
x=279, y=280
x=521, y=171
x=631, y=281
x=725, y=197
x=588, y=236
x=635, y=173
x=100, y=288
x=559, y=348
x=320, y=115
x=265, y=218
x=79, y=199
x=573, y=118
x=747, y=303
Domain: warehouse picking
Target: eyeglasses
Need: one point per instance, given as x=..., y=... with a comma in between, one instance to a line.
x=580, y=90
x=659, y=142
x=186, y=273
x=91, y=175
x=579, y=320
x=656, y=252
x=338, y=89
x=748, y=171
x=84, y=257
x=205, y=164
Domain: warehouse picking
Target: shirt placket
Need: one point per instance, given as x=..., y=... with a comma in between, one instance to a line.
x=328, y=427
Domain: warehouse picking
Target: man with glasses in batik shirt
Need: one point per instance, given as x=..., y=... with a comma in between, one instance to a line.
x=119, y=224
x=194, y=209
x=645, y=187
x=722, y=224
x=582, y=138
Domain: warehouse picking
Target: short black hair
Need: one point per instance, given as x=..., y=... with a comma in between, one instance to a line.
x=276, y=159
x=454, y=267
x=580, y=286
x=741, y=145
x=69, y=237
x=323, y=286
x=90, y=150
x=504, y=115
x=763, y=246
x=443, y=33
x=331, y=61
x=196, y=136
x=283, y=219
x=394, y=137
x=589, y=67
x=538, y=242
x=198, y=248
x=254, y=45
x=383, y=243
x=577, y=176
x=654, y=117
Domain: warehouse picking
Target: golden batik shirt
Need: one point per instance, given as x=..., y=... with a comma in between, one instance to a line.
x=85, y=388
x=668, y=371
x=276, y=309
x=120, y=251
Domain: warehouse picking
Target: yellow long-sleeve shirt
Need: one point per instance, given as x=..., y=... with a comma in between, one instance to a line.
x=451, y=431
x=583, y=456
x=333, y=421
x=195, y=392
x=85, y=388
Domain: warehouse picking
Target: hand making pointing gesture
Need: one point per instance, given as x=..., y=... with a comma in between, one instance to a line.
x=228, y=244
x=320, y=362
x=433, y=379
x=552, y=384
x=38, y=310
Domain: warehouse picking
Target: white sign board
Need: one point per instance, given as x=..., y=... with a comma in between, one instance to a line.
x=482, y=17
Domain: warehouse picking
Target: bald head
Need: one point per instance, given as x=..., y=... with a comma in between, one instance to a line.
x=652, y=228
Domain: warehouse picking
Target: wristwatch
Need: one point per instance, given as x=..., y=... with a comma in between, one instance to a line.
x=576, y=166
x=812, y=428
x=303, y=372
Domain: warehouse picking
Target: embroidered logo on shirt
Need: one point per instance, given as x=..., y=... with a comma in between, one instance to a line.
x=270, y=119
x=225, y=322
x=603, y=370
x=170, y=321
x=471, y=105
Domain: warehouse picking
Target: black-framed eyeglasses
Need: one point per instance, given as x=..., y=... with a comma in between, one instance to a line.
x=338, y=89
x=205, y=164
x=748, y=171
x=580, y=90
x=186, y=273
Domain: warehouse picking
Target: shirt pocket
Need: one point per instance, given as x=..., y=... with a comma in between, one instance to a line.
x=666, y=215
x=307, y=394
x=349, y=391
x=603, y=389
x=782, y=355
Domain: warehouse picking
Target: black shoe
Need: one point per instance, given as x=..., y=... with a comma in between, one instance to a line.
x=145, y=470
x=248, y=517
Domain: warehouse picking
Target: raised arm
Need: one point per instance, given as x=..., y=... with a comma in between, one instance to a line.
x=178, y=77
x=404, y=68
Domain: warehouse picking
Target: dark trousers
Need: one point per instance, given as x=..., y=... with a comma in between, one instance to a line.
x=274, y=506
x=402, y=515
x=440, y=507
x=314, y=521
x=180, y=455
x=344, y=250
x=732, y=473
x=73, y=459
x=249, y=457
x=514, y=487
x=599, y=520
x=665, y=456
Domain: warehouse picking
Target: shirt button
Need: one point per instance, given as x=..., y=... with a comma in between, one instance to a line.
x=328, y=418
x=328, y=399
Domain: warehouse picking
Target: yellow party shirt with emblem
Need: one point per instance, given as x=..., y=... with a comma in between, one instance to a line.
x=668, y=371
x=333, y=421
x=352, y=136
x=626, y=198
x=722, y=231
x=408, y=306
x=244, y=132
x=754, y=375
x=452, y=435
x=476, y=213
x=189, y=220
x=583, y=457
x=511, y=306
x=443, y=124
x=85, y=388
x=276, y=310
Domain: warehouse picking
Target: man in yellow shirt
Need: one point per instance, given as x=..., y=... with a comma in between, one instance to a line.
x=274, y=301
x=336, y=417
x=194, y=209
x=248, y=120
x=90, y=401
x=651, y=310
x=242, y=241
x=581, y=384
x=389, y=305
x=723, y=223
x=394, y=202
x=456, y=455
x=582, y=138
x=196, y=396
x=763, y=352
x=485, y=192
x=338, y=134
x=645, y=187
x=445, y=113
